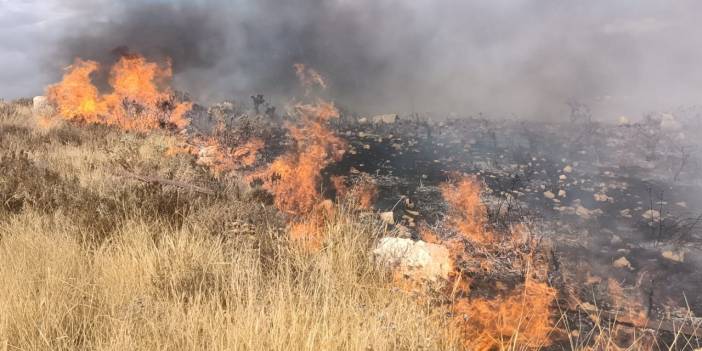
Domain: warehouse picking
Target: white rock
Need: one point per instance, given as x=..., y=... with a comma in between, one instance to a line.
x=568, y=169
x=41, y=106
x=561, y=193
x=388, y=217
x=549, y=195
x=415, y=258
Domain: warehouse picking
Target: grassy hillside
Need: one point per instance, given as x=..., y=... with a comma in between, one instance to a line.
x=91, y=259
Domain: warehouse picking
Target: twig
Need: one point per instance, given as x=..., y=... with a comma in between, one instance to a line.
x=163, y=181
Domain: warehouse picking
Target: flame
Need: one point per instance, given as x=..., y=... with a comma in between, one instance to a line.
x=137, y=101
x=76, y=97
x=307, y=232
x=466, y=214
x=308, y=77
x=221, y=159
x=363, y=191
x=521, y=318
x=631, y=306
x=295, y=178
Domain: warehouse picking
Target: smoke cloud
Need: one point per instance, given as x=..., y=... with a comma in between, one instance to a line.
x=523, y=58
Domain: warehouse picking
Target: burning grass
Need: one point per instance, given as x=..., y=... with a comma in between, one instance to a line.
x=218, y=274
x=219, y=270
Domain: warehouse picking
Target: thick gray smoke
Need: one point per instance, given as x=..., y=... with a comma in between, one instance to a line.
x=525, y=58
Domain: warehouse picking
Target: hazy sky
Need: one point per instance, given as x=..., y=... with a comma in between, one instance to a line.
x=520, y=57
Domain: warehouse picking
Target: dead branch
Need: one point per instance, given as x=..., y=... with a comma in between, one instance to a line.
x=163, y=181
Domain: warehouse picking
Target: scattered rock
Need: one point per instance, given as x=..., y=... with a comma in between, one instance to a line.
x=623, y=121
x=623, y=262
x=602, y=197
x=417, y=259
x=652, y=215
x=549, y=195
x=586, y=213
x=674, y=256
x=387, y=119
x=568, y=169
x=388, y=217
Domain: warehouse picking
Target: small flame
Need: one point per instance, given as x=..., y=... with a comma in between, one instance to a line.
x=521, y=318
x=466, y=214
x=308, y=77
x=363, y=191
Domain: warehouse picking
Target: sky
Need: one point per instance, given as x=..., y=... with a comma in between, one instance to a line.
x=523, y=58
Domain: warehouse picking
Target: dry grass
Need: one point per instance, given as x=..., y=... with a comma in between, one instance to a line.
x=89, y=260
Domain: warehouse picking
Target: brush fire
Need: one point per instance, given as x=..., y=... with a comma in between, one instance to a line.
x=500, y=233
x=460, y=243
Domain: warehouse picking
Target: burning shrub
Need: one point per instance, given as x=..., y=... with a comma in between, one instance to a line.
x=521, y=316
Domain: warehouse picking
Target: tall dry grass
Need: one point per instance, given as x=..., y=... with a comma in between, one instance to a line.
x=151, y=287
x=89, y=260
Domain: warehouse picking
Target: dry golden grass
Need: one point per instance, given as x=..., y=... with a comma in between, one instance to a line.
x=151, y=287
x=186, y=279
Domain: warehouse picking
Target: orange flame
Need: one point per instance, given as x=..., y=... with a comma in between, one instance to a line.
x=222, y=159
x=295, y=177
x=308, y=231
x=363, y=191
x=309, y=77
x=466, y=214
x=76, y=98
x=522, y=318
x=136, y=102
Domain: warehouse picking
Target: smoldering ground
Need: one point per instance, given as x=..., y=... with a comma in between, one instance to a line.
x=524, y=58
